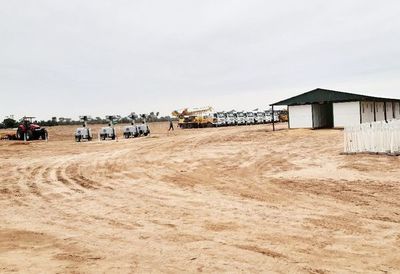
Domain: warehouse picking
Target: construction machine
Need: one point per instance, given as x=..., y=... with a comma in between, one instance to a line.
x=195, y=117
x=28, y=130
x=136, y=130
x=131, y=131
x=143, y=128
x=283, y=116
x=83, y=133
x=109, y=132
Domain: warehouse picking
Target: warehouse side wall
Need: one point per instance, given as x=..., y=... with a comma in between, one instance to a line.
x=346, y=114
x=300, y=116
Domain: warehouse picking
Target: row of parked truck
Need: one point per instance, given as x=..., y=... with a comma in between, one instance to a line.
x=206, y=117
x=243, y=118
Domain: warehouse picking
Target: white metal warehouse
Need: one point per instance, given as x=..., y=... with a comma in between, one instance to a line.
x=323, y=108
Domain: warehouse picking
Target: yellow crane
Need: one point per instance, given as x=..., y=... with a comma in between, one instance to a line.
x=194, y=117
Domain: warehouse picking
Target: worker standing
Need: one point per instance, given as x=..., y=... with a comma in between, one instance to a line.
x=171, y=125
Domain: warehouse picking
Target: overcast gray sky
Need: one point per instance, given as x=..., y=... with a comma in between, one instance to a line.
x=65, y=58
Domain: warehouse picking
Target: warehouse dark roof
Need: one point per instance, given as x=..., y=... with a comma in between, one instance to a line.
x=320, y=95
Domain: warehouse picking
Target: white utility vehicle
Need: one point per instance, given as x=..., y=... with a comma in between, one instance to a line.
x=240, y=118
x=267, y=116
x=276, y=116
x=230, y=119
x=109, y=132
x=131, y=131
x=136, y=130
x=143, y=129
x=250, y=118
x=83, y=133
x=219, y=119
x=259, y=117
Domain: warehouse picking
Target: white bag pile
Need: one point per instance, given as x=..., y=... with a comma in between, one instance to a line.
x=376, y=137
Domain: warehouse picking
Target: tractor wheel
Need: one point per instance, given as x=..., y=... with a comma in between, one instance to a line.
x=20, y=135
x=43, y=136
x=78, y=138
x=113, y=137
x=29, y=135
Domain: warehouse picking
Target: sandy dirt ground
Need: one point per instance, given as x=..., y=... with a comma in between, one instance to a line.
x=239, y=199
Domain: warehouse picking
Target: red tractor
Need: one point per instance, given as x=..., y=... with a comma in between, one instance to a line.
x=28, y=130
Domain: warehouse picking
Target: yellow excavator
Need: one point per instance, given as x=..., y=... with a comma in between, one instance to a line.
x=194, y=117
x=283, y=116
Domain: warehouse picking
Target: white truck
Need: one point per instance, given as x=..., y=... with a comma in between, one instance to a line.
x=230, y=119
x=259, y=117
x=219, y=119
x=240, y=118
x=249, y=118
x=268, y=116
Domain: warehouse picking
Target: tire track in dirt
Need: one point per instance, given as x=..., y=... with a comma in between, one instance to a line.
x=73, y=174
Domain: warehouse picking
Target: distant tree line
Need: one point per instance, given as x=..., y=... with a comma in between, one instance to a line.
x=10, y=122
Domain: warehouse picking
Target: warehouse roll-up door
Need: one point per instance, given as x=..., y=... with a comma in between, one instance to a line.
x=346, y=114
x=300, y=116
